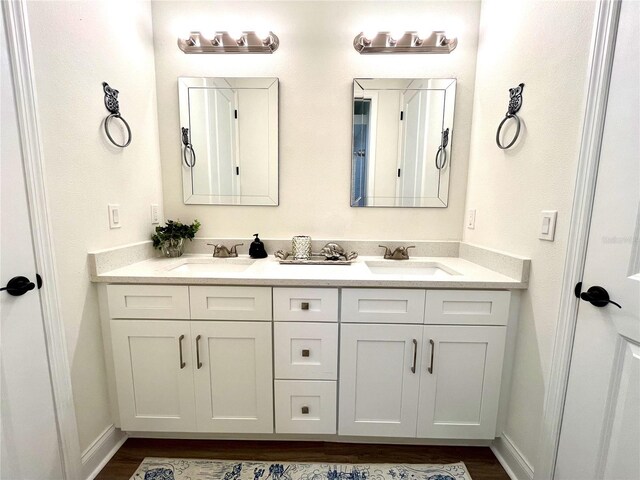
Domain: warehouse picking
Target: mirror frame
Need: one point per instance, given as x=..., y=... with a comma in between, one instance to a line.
x=270, y=84
x=448, y=85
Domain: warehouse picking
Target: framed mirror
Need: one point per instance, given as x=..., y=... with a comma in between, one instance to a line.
x=401, y=141
x=229, y=140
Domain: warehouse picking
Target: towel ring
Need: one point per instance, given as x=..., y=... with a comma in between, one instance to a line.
x=106, y=129
x=441, y=154
x=113, y=106
x=515, y=102
x=188, y=147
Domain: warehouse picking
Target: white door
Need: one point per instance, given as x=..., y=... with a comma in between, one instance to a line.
x=154, y=375
x=461, y=370
x=29, y=436
x=233, y=376
x=600, y=435
x=379, y=379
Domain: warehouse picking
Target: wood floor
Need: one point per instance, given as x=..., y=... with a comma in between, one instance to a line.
x=480, y=461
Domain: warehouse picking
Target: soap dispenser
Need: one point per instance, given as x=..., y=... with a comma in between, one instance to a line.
x=256, y=249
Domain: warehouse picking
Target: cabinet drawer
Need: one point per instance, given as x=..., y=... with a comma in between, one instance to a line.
x=148, y=301
x=230, y=303
x=467, y=307
x=305, y=304
x=372, y=305
x=306, y=350
x=305, y=407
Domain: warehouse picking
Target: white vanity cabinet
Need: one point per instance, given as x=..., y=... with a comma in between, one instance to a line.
x=192, y=375
x=424, y=381
x=409, y=363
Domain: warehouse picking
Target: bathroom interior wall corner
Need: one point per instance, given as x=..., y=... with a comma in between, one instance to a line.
x=508, y=189
x=76, y=46
x=316, y=64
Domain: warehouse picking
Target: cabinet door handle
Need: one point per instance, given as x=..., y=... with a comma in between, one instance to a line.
x=433, y=348
x=305, y=410
x=198, y=362
x=182, y=364
x=304, y=306
x=306, y=352
x=415, y=355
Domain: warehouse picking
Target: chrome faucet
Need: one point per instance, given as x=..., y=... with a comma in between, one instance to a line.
x=221, y=251
x=400, y=253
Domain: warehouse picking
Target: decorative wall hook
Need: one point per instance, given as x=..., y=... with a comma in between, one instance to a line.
x=515, y=103
x=222, y=42
x=409, y=42
x=186, y=141
x=113, y=106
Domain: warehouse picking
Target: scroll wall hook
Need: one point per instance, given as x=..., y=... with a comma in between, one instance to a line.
x=441, y=154
x=113, y=106
x=188, y=147
x=515, y=102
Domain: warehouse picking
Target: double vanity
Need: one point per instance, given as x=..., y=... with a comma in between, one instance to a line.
x=411, y=349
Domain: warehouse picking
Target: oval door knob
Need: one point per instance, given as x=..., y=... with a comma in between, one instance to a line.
x=598, y=297
x=19, y=286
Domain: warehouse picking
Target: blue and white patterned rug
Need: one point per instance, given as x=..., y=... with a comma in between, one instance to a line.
x=191, y=469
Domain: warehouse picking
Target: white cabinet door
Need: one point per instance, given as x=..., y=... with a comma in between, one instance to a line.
x=154, y=375
x=379, y=379
x=233, y=378
x=460, y=375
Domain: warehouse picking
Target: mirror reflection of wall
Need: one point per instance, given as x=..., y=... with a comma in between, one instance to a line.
x=401, y=142
x=230, y=151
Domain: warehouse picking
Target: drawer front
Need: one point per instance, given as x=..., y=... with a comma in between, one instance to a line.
x=467, y=307
x=305, y=304
x=306, y=350
x=148, y=301
x=370, y=305
x=230, y=303
x=305, y=407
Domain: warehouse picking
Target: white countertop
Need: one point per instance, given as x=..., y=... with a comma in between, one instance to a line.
x=201, y=270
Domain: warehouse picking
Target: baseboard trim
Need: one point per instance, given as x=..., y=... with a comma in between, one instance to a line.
x=509, y=456
x=101, y=450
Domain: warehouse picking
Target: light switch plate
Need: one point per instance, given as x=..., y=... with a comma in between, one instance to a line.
x=114, y=216
x=548, y=225
x=155, y=214
x=471, y=219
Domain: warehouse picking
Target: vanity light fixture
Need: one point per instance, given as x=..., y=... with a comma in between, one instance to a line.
x=409, y=42
x=222, y=42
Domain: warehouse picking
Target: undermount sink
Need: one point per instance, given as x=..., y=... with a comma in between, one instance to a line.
x=402, y=267
x=213, y=265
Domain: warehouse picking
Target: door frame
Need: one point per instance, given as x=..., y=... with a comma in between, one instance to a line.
x=600, y=67
x=21, y=58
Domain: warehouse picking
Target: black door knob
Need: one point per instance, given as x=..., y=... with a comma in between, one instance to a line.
x=19, y=286
x=596, y=296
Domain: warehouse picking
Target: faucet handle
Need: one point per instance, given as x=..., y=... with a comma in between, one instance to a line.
x=406, y=251
x=387, y=251
x=234, y=248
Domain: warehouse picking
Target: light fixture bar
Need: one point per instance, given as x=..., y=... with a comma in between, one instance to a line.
x=222, y=42
x=409, y=42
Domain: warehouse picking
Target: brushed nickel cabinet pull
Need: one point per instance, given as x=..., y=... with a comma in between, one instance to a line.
x=305, y=352
x=433, y=347
x=304, y=305
x=182, y=363
x=305, y=410
x=198, y=362
x=415, y=355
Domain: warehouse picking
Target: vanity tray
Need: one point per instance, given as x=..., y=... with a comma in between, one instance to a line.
x=334, y=256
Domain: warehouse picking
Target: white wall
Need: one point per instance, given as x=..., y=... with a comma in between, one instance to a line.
x=316, y=64
x=77, y=46
x=546, y=46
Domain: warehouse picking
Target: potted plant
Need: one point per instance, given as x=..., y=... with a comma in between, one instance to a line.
x=170, y=238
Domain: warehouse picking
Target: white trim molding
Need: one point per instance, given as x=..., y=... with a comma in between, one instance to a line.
x=511, y=458
x=101, y=451
x=602, y=51
x=19, y=43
